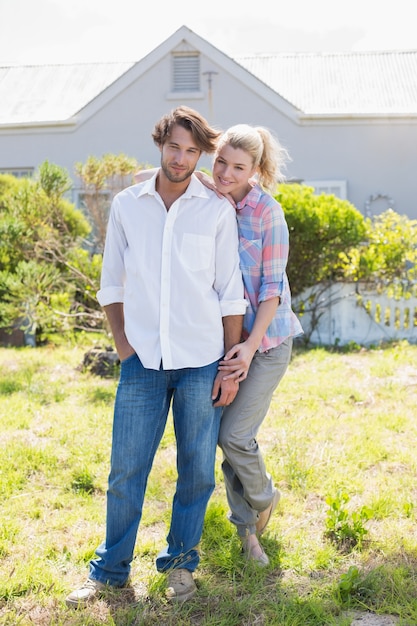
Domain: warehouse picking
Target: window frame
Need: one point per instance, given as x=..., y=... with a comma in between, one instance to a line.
x=336, y=188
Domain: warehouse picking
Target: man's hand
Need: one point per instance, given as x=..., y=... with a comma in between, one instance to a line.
x=125, y=352
x=115, y=316
x=224, y=391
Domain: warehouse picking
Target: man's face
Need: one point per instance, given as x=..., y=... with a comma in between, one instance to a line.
x=179, y=155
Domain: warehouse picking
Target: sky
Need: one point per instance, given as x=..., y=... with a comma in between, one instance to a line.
x=77, y=31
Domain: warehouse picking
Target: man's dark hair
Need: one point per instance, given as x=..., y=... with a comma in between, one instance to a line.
x=203, y=134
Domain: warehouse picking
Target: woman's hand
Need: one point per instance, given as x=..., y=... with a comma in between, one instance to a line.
x=142, y=175
x=236, y=362
x=209, y=183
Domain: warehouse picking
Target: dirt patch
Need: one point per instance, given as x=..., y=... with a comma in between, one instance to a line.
x=371, y=619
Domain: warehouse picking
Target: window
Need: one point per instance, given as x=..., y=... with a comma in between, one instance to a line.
x=336, y=188
x=185, y=72
x=83, y=200
x=18, y=172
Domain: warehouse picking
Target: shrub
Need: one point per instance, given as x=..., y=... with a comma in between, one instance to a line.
x=323, y=232
x=45, y=279
x=388, y=257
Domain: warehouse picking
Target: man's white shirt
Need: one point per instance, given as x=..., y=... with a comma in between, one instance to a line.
x=176, y=273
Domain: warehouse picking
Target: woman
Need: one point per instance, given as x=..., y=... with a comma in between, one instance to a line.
x=245, y=154
x=247, y=166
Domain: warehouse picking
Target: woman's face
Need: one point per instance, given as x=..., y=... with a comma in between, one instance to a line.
x=232, y=169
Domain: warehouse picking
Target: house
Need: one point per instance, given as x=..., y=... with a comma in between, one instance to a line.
x=348, y=120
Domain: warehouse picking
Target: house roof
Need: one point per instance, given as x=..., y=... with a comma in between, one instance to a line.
x=341, y=83
x=52, y=93
x=321, y=84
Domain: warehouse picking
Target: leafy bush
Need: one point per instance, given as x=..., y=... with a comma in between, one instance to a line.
x=323, y=232
x=47, y=279
x=331, y=241
x=388, y=257
x=51, y=252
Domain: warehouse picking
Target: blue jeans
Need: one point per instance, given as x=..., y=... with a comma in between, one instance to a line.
x=141, y=409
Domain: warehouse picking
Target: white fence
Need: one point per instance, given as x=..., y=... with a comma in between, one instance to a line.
x=348, y=312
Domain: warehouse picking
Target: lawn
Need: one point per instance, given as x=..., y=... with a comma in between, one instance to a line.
x=339, y=440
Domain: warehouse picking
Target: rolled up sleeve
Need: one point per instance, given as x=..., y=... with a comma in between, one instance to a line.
x=229, y=282
x=275, y=249
x=112, y=283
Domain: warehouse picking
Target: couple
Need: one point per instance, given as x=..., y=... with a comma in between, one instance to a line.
x=190, y=333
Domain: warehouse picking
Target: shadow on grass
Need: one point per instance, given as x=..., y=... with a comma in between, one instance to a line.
x=235, y=592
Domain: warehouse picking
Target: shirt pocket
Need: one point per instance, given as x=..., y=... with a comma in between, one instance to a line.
x=196, y=251
x=250, y=252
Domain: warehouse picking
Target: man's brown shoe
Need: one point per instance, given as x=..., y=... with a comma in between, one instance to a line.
x=180, y=586
x=265, y=516
x=90, y=590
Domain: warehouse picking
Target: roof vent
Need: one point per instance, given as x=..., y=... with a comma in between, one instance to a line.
x=185, y=72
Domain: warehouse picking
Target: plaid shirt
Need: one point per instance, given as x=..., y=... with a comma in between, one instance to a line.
x=263, y=250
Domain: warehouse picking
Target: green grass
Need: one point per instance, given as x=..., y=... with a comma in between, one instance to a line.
x=340, y=423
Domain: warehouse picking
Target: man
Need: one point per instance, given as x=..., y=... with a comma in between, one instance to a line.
x=173, y=295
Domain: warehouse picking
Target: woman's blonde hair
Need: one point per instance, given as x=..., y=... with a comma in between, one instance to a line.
x=268, y=155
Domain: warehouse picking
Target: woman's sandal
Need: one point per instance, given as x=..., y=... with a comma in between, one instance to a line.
x=265, y=516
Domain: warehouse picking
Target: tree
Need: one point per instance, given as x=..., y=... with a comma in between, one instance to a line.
x=101, y=179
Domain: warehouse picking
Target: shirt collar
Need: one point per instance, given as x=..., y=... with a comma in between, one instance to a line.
x=251, y=199
x=147, y=187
